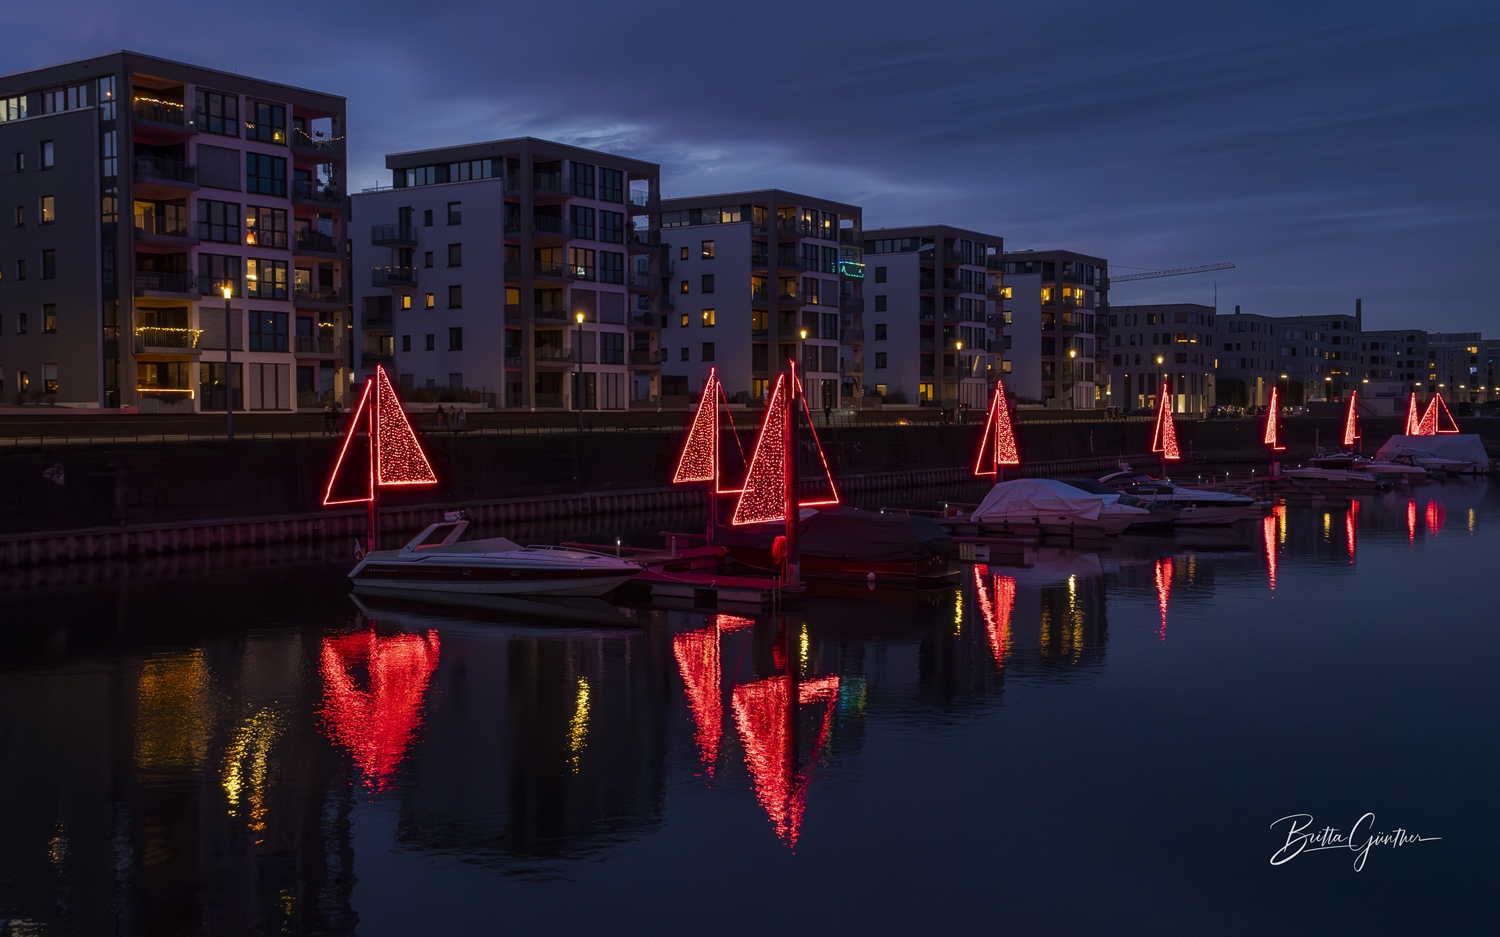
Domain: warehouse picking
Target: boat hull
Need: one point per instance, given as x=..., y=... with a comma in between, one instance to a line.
x=931, y=570
x=475, y=579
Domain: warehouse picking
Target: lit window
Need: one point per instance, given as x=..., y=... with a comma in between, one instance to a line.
x=406, y=301
x=708, y=318
x=429, y=303
x=684, y=320
x=49, y=213
x=708, y=250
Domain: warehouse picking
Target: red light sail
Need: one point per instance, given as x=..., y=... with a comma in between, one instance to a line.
x=1413, y=425
x=1351, y=420
x=763, y=499
x=1273, y=424
x=1432, y=418
x=394, y=456
x=761, y=714
x=1164, y=438
x=1163, y=591
x=699, y=461
x=379, y=722
x=995, y=608
x=997, y=446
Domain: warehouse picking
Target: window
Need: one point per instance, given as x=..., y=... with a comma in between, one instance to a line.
x=455, y=297
x=879, y=274
x=49, y=265
x=429, y=302
x=455, y=339
x=48, y=209
x=684, y=287
x=455, y=255
x=581, y=221
x=612, y=227
x=880, y=360
x=583, y=179
x=265, y=279
x=880, y=331
x=684, y=254
x=880, y=302
x=265, y=122
x=406, y=301
x=708, y=351
x=581, y=263
x=406, y=343
x=21, y=323
x=431, y=342
x=830, y=328
x=265, y=174
x=685, y=319
x=427, y=218
x=49, y=378
x=218, y=221
x=427, y=259
x=20, y=216
x=216, y=271
x=265, y=227
x=20, y=269
x=707, y=286
x=685, y=353
x=708, y=318
x=708, y=250
x=47, y=154
x=611, y=267
x=218, y=113
x=611, y=347
x=49, y=317
x=455, y=213
x=13, y=108
x=267, y=331
x=611, y=185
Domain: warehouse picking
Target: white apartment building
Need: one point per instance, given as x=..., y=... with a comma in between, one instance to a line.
x=930, y=331
x=504, y=272
x=757, y=278
x=1053, y=304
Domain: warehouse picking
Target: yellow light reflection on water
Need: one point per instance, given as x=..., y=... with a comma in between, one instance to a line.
x=958, y=612
x=1327, y=524
x=172, y=717
x=247, y=765
x=578, y=726
x=1471, y=520
x=803, y=645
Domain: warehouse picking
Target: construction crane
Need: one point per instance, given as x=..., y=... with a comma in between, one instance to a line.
x=1180, y=271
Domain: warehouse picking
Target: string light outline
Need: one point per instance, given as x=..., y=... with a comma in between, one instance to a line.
x=1004, y=451
x=1413, y=427
x=1351, y=422
x=1273, y=424
x=1164, y=438
x=756, y=494
x=408, y=458
x=1431, y=424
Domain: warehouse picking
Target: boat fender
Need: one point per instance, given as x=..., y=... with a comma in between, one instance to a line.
x=778, y=550
x=870, y=580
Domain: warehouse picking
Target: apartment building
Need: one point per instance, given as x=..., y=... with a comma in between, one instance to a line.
x=1245, y=348
x=929, y=331
x=224, y=182
x=1461, y=373
x=1051, y=305
x=757, y=279
x=522, y=273
x=1320, y=355
x=1171, y=343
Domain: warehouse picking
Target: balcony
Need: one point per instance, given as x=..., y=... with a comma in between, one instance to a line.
x=324, y=150
x=794, y=228
x=553, y=355
x=848, y=336
x=645, y=356
x=316, y=242
x=214, y=286
x=160, y=171
x=310, y=193
x=313, y=345
x=560, y=272
x=758, y=295
x=547, y=225
x=640, y=199
x=393, y=235
x=394, y=277
x=158, y=231
x=155, y=114
x=313, y=297
x=153, y=340
x=559, y=314
x=644, y=281
x=851, y=268
x=175, y=285
x=645, y=320
x=667, y=300
x=377, y=320
x=951, y=285
x=644, y=240
x=548, y=183
x=852, y=304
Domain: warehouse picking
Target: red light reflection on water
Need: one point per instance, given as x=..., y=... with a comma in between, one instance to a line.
x=1351, y=526
x=763, y=714
x=1268, y=532
x=996, y=609
x=1164, y=590
x=1411, y=520
x=697, y=654
x=1435, y=515
x=377, y=724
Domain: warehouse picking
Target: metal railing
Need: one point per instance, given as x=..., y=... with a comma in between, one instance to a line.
x=157, y=281
x=386, y=235
x=316, y=294
x=645, y=238
x=317, y=242
x=377, y=320
x=547, y=224
x=149, y=337
x=639, y=199
x=313, y=345
x=393, y=276
x=303, y=143
x=161, y=169
x=312, y=192
x=161, y=112
x=160, y=225
x=645, y=356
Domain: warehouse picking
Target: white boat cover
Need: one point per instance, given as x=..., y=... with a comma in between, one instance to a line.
x=1027, y=497
x=1461, y=447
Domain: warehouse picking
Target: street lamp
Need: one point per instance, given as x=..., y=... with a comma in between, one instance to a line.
x=578, y=387
x=228, y=365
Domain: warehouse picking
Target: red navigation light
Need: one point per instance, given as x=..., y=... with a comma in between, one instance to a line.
x=1413, y=426
x=1351, y=421
x=1273, y=424
x=997, y=446
x=396, y=456
x=377, y=724
x=1164, y=438
x=763, y=499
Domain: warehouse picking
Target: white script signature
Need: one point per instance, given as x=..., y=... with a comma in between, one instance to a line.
x=1358, y=840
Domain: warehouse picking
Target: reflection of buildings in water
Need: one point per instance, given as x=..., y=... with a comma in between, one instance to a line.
x=379, y=722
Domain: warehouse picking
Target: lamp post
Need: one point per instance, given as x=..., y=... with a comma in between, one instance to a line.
x=228, y=364
x=578, y=387
x=1159, y=361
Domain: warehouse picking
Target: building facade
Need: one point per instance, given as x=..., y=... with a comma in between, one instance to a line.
x=1171, y=343
x=757, y=279
x=1245, y=348
x=142, y=190
x=1055, y=308
x=519, y=273
x=1319, y=356
x=928, y=331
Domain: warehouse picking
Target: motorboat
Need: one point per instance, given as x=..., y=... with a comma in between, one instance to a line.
x=1160, y=514
x=1399, y=471
x=1451, y=453
x=1199, y=507
x=1334, y=478
x=1055, y=508
x=1432, y=464
x=436, y=561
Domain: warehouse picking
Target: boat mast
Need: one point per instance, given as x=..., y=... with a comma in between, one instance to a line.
x=789, y=481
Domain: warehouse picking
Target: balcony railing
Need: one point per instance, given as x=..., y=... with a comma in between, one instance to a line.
x=548, y=183
x=160, y=169
x=314, y=345
x=639, y=199
x=160, y=112
x=852, y=335
x=159, y=225
x=645, y=356
x=852, y=303
x=393, y=276
x=547, y=224
x=316, y=294
x=645, y=320
x=317, y=242
x=155, y=281
x=377, y=320
x=645, y=238
x=792, y=226
x=553, y=354
x=758, y=295
x=154, y=338
x=644, y=281
x=559, y=272
x=302, y=142
x=320, y=194
x=559, y=314
x=548, y=401
x=392, y=235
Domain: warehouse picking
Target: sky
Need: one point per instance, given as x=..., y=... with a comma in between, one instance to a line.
x=1329, y=150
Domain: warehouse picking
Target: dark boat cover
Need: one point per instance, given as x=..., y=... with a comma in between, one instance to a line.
x=849, y=533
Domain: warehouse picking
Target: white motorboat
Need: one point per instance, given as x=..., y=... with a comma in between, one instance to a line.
x=1335, y=478
x=1434, y=463
x=1054, y=507
x=1404, y=470
x=1199, y=507
x=436, y=562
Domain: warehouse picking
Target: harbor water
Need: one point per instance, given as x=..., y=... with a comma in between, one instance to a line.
x=1138, y=737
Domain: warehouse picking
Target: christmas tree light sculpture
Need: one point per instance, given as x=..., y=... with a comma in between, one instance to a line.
x=1273, y=424
x=997, y=447
x=1351, y=421
x=762, y=500
x=1413, y=425
x=1164, y=438
x=1431, y=424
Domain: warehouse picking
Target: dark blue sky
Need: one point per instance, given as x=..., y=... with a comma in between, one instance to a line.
x=1329, y=150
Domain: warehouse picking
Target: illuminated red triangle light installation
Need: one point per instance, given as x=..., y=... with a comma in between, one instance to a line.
x=1164, y=438
x=763, y=498
x=997, y=446
x=1351, y=421
x=395, y=455
x=699, y=461
x=1273, y=424
x=1413, y=425
x=1432, y=417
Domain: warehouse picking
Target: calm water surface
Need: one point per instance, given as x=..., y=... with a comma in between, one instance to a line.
x=1098, y=743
